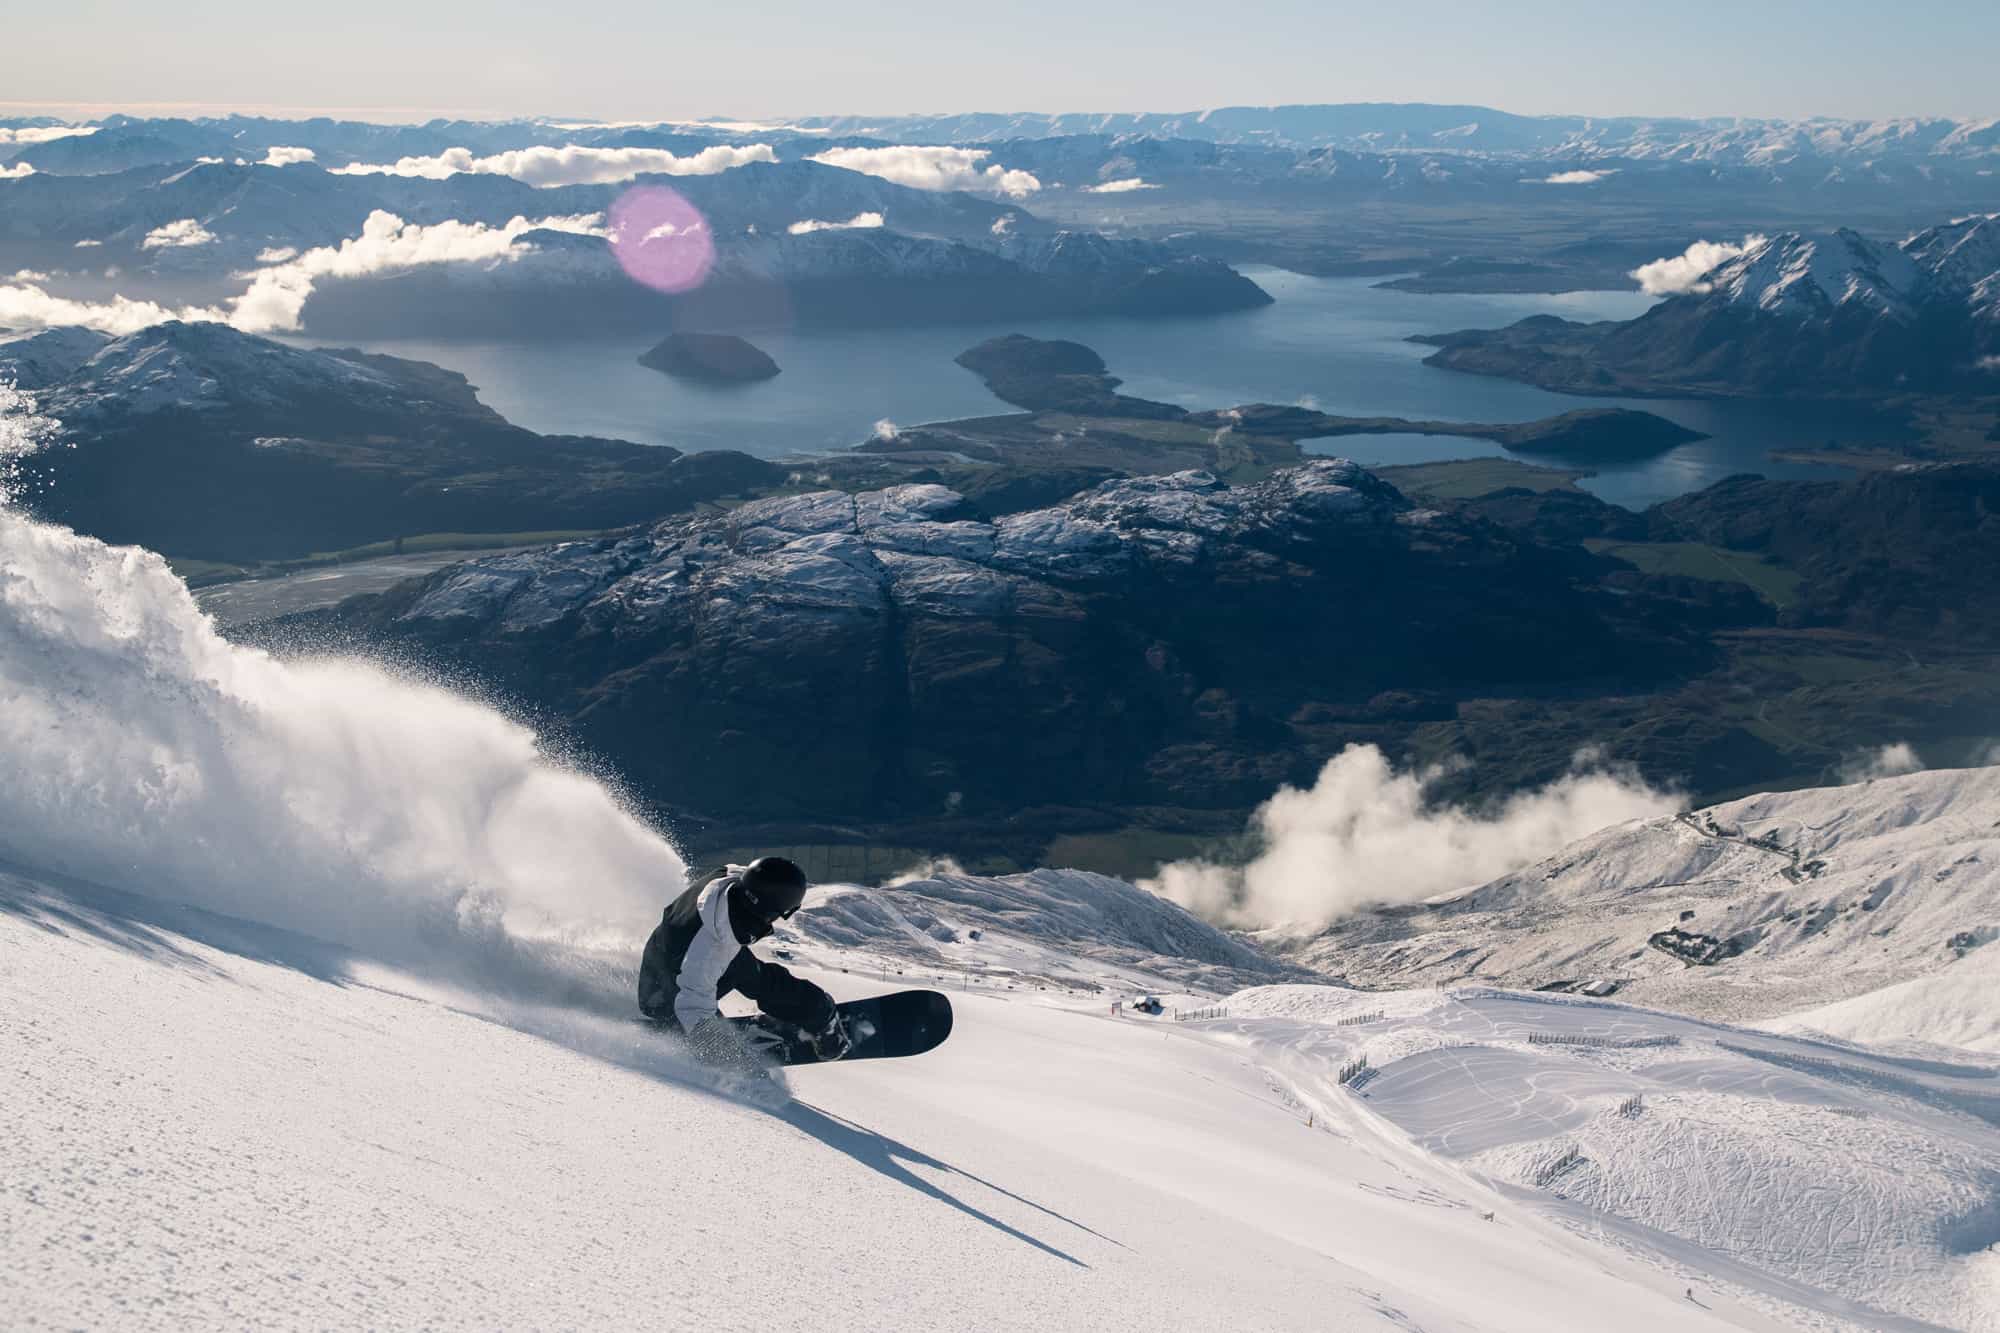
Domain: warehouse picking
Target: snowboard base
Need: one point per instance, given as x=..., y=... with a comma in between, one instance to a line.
x=881, y=1027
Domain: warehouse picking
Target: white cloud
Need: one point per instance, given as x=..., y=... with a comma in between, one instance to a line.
x=1001, y=226
x=1124, y=186
x=277, y=254
x=85, y=245
x=1989, y=363
x=858, y=221
x=1891, y=761
x=933, y=169
x=278, y=293
x=176, y=234
x=28, y=275
x=19, y=171
x=1575, y=177
x=570, y=164
x=279, y=156
x=1366, y=834
x=1683, y=273
x=886, y=430
x=43, y=133
x=28, y=306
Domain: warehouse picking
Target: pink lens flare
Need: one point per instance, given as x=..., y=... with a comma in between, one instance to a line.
x=661, y=239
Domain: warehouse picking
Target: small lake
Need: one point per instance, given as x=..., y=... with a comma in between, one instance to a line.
x=1337, y=344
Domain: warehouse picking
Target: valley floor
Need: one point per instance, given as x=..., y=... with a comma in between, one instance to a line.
x=215, y=1122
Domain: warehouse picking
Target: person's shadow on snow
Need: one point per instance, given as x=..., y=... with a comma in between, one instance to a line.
x=894, y=1160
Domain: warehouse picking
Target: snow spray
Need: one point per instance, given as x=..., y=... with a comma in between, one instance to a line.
x=142, y=751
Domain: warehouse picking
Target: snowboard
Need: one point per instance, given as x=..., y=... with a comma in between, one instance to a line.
x=882, y=1027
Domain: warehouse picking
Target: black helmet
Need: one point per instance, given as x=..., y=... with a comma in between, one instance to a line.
x=772, y=887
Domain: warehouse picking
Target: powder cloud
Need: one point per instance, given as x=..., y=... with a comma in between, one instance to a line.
x=1576, y=177
x=1891, y=761
x=572, y=164
x=860, y=221
x=1366, y=833
x=280, y=156
x=1683, y=273
x=1124, y=186
x=931, y=168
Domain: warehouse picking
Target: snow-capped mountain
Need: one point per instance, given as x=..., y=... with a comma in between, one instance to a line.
x=1747, y=910
x=1821, y=314
x=1806, y=277
x=1469, y=129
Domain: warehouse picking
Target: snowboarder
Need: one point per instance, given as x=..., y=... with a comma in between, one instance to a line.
x=701, y=951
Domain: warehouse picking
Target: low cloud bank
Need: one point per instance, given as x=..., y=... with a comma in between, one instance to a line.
x=280, y=156
x=925, y=168
x=1124, y=186
x=1681, y=274
x=43, y=133
x=860, y=221
x=178, y=234
x=1891, y=761
x=19, y=171
x=1366, y=833
x=1576, y=177
x=278, y=292
x=571, y=164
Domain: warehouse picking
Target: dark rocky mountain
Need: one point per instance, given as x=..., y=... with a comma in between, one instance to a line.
x=1807, y=315
x=1158, y=641
x=199, y=441
x=716, y=358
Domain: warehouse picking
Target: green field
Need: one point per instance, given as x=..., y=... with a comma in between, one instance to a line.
x=201, y=573
x=1698, y=560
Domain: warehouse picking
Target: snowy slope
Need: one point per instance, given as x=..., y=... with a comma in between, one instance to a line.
x=217, y=1122
x=1795, y=899
x=1958, y=1006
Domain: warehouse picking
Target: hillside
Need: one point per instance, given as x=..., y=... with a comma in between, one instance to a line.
x=199, y=441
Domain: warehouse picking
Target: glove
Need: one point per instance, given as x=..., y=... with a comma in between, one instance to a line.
x=834, y=1041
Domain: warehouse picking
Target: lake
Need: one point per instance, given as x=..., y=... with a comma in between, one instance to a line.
x=1337, y=344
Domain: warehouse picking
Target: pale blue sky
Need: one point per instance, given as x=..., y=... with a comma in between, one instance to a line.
x=641, y=59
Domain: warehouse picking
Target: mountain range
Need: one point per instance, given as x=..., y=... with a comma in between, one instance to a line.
x=1827, y=314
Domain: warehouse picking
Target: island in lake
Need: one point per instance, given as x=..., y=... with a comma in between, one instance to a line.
x=713, y=358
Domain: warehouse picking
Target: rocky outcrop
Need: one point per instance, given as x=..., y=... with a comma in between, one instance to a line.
x=713, y=358
x=1166, y=641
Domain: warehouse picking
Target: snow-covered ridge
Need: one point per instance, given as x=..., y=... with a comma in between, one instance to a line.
x=1806, y=276
x=82, y=375
x=1057, y=928
x=833, y=553
x=1751, y=909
